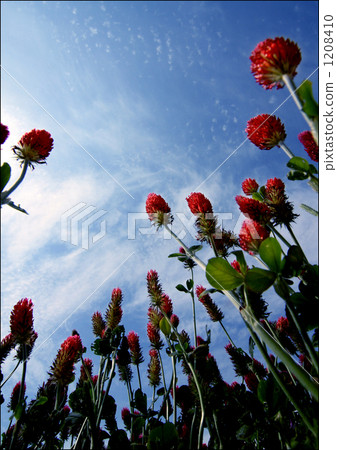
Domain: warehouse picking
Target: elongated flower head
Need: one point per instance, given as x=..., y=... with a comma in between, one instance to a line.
x=155, y=316
x=199, y=204
x=114, y=312
x=236, y=266
x=224, y=241
x=154, y=368
x=4, y=133
x=254, y=209
x=249, y=186
x=34, y=147
x=282, y=324
x=166, y=305
x=6, y=345
x=240, y=360
x=275, y=191
x=265, y=131
x=126, y=417
x=62, y=369
x=174, y=319
x=281, y=209
x=154, y=336
x=154, y=288
x=98, y=324
x=14, y=400
x=273, y=58
x=212, y=309
x=310, y=145
x=158, y=210
x=134, y=346
x=86, y=369
x=251, y=235
x=21, y=321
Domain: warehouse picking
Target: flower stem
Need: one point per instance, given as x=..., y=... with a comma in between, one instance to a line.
x=107, y=390
x=230, y=340
x=286, y=149
x=293, y=92
x=10, y=374
x=193, y=311
x=164, y=383
x=16, y=184
x=139, y=380
x=280, y=382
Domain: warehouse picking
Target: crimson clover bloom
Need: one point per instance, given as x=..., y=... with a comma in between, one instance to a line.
x=273, y=58
x=4, y=133
x=34, y=147
x=265, y=131
x=282, y=210
x=98, y=324
x=251, y=235
x=62, y=369
x=126, y=417
x=155, y=316
x=134, y=346
x=6, y=345
x=249, y=186
x=154, y=336
x=158, y=210
x=113, y=314
x=174, y=319
x=14, y=400
x=154, y=368
x=85, y=370
x=254, y=209
x=199, y=204
x=310, y=145
x=212, y=309
x=154, y=288
x=166, y=305
x=21, y=322
x=201, y=207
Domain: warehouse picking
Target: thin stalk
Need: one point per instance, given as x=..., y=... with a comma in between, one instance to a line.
x=164, y=383
x=278, y=234
x=213, y=245
x=89, y=379
x=217, y=430
x=202, y=407
x=10, y=374
x=305, y=338
x=286, y=149
x=295, y=240
x=79, y=434
x=174, y=381
x=139, y=380
x=112, y=371
x=19, y=180
x=193, y=311
x=192, y=426
x=280, y=382
x=230, y=339
x=293, y=92
x=21, y=392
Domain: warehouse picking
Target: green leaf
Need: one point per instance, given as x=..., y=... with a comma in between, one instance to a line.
x=141, y=401
x=221, y=275
x=164, y=326
x=296, y=175
x=251, y=346
x=189, y=284
x=41, y=401
x=5, y=175
x=175, y=255
x=19, y=410
x=310, y=106
x=181, y=288
x=195, y=248
x=281, y=288
x=271, y=253
x=240, y=257
x=298, y=163
x=259, y=280
x=309, y=209
x=257, y=196
x=244, y=432
x=312, y=169
x=163, y=437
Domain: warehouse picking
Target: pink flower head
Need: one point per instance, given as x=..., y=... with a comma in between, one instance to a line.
x=98, y=324
x=86, y=369
x=273, y=58
x=254, y=209
x=158, y=210
x=154, y=336
x=251, y=381
x=251, y=235
x=249, y=186
x=199, y=204
x=182, y=250
x=126, y=417
x=4, y=133
x=154, y=288
x=6, y=345
x=174, y=319
x=282, y=325
x=310, y=145
x=265, y=131
x=62, y=369
x=166, y=305
x=134, y=346
x=275, y=191
x=154, y=368
x=34, y=147
x=15, y=396
x=114, y=312
x=155, y=316
x=212, y=309
x=21, y=322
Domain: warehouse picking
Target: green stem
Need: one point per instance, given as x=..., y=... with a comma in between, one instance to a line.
x=286, y=149
x=10, y=374
x=139, y=380
x=79, y=434
x=296, y=241
x=230, y=339
x=278, y=234
x=305, y=338
x=100, y=406
x=19, y=180
x=280, y=382
x=164, y=383
x=193, y=311
x=293, y=92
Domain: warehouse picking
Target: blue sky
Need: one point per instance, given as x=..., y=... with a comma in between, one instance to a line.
x=139, y=97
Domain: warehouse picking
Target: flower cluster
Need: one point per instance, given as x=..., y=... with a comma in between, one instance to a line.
x=134, y=346
x=265, y=131
x=273, y=58
x=158, y=210
x=62, y=369
x=114, y=312
x=309, y=144
x=34, y=147
x=212, y=309
x=21, y=322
